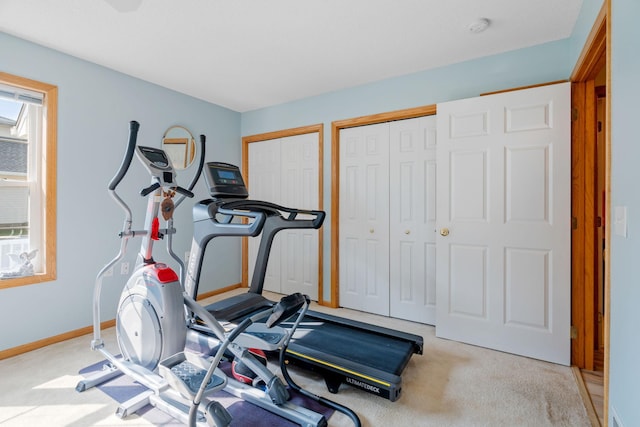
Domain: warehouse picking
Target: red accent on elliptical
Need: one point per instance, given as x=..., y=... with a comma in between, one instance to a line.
x=155, y=226
x=164, y=274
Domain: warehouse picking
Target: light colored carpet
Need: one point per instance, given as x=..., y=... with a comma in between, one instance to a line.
x=452, y=384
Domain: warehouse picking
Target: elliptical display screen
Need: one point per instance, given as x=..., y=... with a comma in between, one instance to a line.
x=225, y=181
x=154, y=157
x=157, y=164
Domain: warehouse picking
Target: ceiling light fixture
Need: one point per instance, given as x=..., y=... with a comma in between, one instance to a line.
x=479, y=25
x=124, y=6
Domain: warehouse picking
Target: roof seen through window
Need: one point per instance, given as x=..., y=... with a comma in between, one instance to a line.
x=9, y=110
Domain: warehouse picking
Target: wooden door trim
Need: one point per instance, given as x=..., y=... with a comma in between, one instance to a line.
x=590, y=209
x=592, y=57
x=595, y=54
x=607, y=258
x=577, y=236
x=303, y=130
x=524, y=87
x=583, y=141
x=583, y=177
x=336, y=126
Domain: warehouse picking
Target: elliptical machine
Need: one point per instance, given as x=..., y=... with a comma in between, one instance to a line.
x=151, y=326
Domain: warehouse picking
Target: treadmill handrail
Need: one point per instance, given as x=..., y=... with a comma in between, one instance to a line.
x=261, y=205
x=252, y=228
x=224, y=228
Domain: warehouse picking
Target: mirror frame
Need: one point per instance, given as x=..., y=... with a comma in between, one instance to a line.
x=185, y=137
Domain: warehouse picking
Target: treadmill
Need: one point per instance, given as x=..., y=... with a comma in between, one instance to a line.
x=365, y=356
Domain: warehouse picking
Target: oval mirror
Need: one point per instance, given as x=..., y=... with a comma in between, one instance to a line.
x=180, y=146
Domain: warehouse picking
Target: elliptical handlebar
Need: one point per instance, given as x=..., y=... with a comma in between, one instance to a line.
x=196, y=177
x=184, y=191
x=134, y=127
x=188, y=191
x=128, y=156
x=153, y=187
x=150, y=189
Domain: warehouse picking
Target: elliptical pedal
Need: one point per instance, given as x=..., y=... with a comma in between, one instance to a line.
x=192, y=377
x=186, y=371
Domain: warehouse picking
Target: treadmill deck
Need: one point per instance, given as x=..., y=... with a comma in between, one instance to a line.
x=366, y=356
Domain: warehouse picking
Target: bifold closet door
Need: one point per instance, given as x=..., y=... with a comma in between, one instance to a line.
x=412, y=196
x=264, y=184
x=300, y=189
x=364, y=218
x=387, y=218
x=285, y=171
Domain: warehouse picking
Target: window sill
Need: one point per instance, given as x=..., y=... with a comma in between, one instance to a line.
x=28, y=280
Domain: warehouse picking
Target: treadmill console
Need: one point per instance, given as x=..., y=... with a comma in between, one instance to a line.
x=225, y=181
x=157, y=163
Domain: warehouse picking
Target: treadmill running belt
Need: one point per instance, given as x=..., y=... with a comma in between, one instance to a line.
x=369, y=349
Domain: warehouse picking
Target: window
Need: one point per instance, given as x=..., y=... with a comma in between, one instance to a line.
x=28, y=128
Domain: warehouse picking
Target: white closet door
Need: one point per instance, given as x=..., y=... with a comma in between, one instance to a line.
x=504, y=194
x=364, y=218
x=264, y=184
x=300, y=189
x=412, y=198
x=285, y=171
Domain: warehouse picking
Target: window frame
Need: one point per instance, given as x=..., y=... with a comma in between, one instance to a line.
x=48, y=174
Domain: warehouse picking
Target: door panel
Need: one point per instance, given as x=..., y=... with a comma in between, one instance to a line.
x=527, y=287
x=285, y=171
x=527, y=185
x=364, y=218
x=264, y=184
x=503, y=270
x=412, y=197
x=469, y=182
x=468, y=281
x=300, y=160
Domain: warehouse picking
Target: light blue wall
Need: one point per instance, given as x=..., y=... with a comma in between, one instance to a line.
x=542, y=63
x=586, y=18
x=94, y=109
x=624, y=397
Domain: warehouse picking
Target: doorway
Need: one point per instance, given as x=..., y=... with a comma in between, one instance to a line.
x=591, y=83
x=590, y=200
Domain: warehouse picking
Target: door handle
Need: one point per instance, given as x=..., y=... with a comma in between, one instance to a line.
x=444, y=232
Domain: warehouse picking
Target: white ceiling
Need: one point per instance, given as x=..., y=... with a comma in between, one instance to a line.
x=249, y=54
